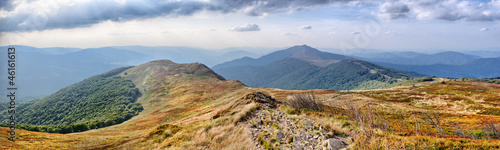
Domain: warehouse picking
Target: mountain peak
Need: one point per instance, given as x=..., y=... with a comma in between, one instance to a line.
x=302, y=52
x=302, y=48
x=164, y=68
x=314, y=56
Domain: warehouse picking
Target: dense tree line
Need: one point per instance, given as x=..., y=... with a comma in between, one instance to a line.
x=95, y=102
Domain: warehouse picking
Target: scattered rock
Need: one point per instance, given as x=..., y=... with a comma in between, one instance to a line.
x=308, y=125
x=279, y=135
x=260, y=97
x=334, y=144
x=288, y=131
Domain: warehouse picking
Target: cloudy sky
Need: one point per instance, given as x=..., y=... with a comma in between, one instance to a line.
x=216, y=24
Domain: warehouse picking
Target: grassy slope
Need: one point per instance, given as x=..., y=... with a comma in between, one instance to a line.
x=184, y=102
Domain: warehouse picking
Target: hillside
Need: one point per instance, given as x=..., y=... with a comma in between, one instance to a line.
x=95, y=102
x=43, y=71
x=303, y=67
x=188, y=106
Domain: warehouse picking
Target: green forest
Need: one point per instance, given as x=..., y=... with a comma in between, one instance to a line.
x=99, y=101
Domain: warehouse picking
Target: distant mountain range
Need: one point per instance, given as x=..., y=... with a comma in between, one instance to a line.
x=479, y=68
x=443, y=64
x=412, y=58
x=303, y=67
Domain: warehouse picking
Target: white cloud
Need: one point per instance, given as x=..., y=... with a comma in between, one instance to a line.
x=246, y=28
x=306, y=27
x=391, y=33
x=484, y=29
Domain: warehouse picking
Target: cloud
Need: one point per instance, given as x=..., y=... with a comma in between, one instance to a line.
x=394, y=10
x=355, y=32
x=246, y=28
x=84, y=14
x=306, y=27
x=291, y=34
x=36, y=15
x=484, y=29
x=30, y=16
x=449, y=10
x=6, y=5
x=391, y=33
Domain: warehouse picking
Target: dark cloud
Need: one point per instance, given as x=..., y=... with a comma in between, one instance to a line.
x=261, y=7
x=85, y=14
x=6, y=5
x=394, y=10
x=246, y=28
x=92, y=12
x=450, y=10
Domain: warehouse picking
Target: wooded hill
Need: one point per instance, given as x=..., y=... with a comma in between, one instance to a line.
x=99, y=101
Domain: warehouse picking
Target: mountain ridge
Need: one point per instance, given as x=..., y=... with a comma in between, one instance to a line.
x=303, y=67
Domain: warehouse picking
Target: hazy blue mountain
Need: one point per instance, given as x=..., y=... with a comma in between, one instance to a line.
x=48, y=51
x=484, y=53
x=480, y=68
x=385, y=55
x=108, y=55
x=410, y=58
x=39, y=74
x=302, y=52
x=190, y=55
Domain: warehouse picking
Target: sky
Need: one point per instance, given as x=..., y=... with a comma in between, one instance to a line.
x=217, y=24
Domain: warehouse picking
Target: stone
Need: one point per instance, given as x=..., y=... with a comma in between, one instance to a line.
x=308, y=125
x=335, y=144
x=261, y=98
x=279, y=135
x=308, y=136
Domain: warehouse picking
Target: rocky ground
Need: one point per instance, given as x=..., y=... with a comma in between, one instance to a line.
x=273, y=129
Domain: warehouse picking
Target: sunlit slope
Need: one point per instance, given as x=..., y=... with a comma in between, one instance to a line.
x=170, y=92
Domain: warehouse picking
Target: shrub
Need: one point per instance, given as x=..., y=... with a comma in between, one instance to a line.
x=306, y=101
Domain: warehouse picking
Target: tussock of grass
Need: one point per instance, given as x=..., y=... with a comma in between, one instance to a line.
x=166, y=130
x=244, y=112
x=305, y=101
